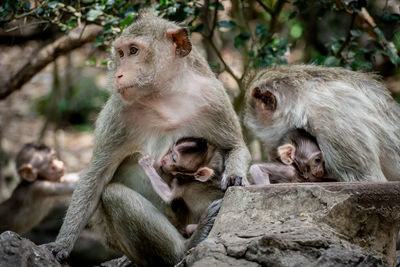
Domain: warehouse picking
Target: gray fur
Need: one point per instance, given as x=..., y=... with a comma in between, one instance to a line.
x=352, y=115
x=126, y=128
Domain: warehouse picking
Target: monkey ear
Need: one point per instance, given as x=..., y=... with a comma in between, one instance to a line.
x=181, y=39
x=286, y=153
x=203, y=174
x=27, y=172
x=266, y=97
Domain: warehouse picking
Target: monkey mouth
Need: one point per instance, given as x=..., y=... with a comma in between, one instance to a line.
x=122, y=90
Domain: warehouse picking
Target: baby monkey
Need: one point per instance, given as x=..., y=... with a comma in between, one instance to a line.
x=41, y=172
x=299, y=160
x=191, y=177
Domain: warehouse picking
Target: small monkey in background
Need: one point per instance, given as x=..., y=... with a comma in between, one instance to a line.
x=42, y=184
x=299, y=160
x=353, y=117
x=191, y=172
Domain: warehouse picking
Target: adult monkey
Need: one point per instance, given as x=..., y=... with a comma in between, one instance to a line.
x=353, y=117
x=163, y=90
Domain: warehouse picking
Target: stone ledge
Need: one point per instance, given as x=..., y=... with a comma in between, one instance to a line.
x=320, y=224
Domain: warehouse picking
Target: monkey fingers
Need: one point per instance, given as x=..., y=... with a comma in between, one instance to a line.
x=60, y=252
x=146, y=161
x=234, y=181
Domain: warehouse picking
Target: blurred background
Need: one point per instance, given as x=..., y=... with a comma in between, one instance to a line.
x=54, y=54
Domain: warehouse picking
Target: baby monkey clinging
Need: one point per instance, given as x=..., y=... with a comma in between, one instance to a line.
x=299, y=160
x=191, y=177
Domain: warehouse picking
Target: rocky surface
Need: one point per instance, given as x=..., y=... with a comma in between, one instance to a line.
x=18, y=251
x=325, y=224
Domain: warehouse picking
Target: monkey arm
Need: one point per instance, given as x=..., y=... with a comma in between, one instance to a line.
x=229, y=136
x=159, y=185
x=275, y=172
x=53, y=188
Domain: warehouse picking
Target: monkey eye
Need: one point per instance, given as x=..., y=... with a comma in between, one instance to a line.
x=174, y=158
x=121, y=53
x=317, y=160
x=133, y=50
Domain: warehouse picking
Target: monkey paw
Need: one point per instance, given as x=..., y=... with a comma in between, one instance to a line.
x=60, y=251
x=146, y=161
x=233, y=180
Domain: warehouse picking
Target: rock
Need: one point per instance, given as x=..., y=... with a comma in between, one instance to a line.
x=324, y=224
x=119, y=262
x=18, y=251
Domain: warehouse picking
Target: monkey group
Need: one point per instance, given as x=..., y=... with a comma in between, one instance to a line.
x=317, y=124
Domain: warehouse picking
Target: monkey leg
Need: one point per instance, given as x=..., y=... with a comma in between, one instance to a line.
x=140, y=230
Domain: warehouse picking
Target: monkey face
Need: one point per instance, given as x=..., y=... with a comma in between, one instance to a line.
x=186, y=156
x=133, y=67
x=316, y=164
x=311, y=167
x=51, y=168
x=145, y=59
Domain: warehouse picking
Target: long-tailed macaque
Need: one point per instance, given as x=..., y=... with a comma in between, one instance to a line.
x=299, y=160
x=191, y=172
x=162, y=90
x=353, y=117
x=42, y=185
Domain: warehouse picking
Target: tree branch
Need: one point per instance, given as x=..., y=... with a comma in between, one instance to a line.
x=226, y=67
x=260, y=2
x=48, y=54
x=348, y=37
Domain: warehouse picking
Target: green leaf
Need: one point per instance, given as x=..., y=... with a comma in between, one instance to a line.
x=396, y=40
x=260, y=29
x=53, y=4
x=241, y=39
x=198, y=27
x=356, y=33
x=215, y=66
x=126, y=22
x=332, y=61
x=93, y=14
x=226, y=24
x=292, y=15
x=26, y=5
x=296, y=31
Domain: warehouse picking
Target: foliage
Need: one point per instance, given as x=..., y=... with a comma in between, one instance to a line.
x=264, y=31
x=75, y=106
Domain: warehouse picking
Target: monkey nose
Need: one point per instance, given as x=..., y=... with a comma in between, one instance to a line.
x=58, y=164
x=118, y=76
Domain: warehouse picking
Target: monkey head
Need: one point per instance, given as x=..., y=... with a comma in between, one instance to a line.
x=307, y=159
x=189, y=156
x=36, y=160
x=146, y=53
x=270, y=105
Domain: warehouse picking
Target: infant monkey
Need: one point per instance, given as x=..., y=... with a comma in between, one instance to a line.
x=191, y=177
x=42, y=184
x=299, y=160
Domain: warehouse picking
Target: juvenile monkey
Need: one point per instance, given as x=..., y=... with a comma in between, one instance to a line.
x=163, y=89
x=299, y=160
x=191, y=172
x=353, y=117
x=42, y=185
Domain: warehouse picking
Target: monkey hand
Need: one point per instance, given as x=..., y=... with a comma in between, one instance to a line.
x=146, y=161
x=59, y=250
x=233, y=180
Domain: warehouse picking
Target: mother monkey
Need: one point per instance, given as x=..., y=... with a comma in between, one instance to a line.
x=163, y=90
